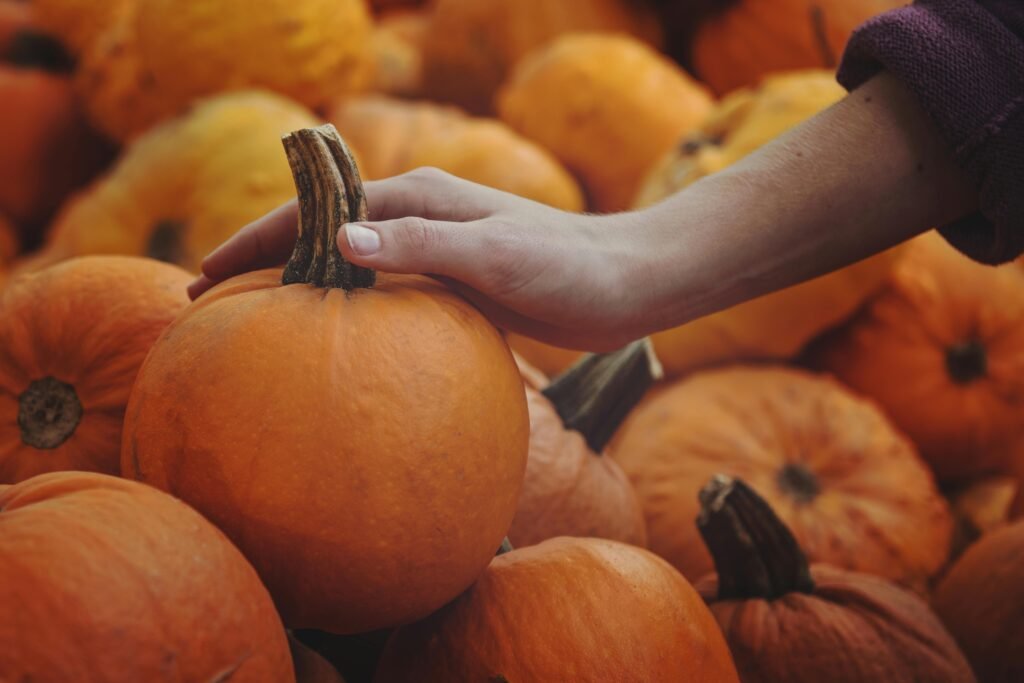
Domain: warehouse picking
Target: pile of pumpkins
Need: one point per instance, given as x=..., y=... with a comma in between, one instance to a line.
x=320, y=471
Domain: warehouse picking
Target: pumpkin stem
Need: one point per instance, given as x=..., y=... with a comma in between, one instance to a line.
x=967, y=362
x=31, y=50
x=330, y=195
x=505, y=547
x=756, y=555
x=596, y=394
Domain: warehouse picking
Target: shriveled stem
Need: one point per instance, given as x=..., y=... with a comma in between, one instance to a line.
x=330, y=195
x=755, y=554
x=595, y=395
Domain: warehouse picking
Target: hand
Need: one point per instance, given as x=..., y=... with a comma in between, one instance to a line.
x=538, y=271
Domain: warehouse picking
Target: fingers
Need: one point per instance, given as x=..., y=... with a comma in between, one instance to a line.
x=263, y=243
x=433, y=194
x=418, y=245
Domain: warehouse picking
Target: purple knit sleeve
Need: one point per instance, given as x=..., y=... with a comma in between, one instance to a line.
x=964, y=62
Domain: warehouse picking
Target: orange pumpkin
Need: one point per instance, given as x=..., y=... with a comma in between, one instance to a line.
x=378, y=482
x=78, y=24
x=787, y=622
x=853, y=490
x=607, y=105
x=103, y=579
x=473, y=45
x=941, y=349
x=8, y=242
x=187, y=185
x=73, y=339
x=981, y=601
x=571, y=489
x=397, y=44
x=982, y=506
x=753, y=38
x=392, y=136
x=48, y=149
x=569, y=609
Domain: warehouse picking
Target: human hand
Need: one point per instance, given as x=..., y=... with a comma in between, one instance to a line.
x=552, y=275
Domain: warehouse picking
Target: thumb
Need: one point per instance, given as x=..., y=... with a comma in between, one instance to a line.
x=416, y=245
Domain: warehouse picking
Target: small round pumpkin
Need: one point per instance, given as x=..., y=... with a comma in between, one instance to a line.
x=73, y=339
x=392, y=137
x=788, y=622
x=752, y=38
x=779, y=325
x=571, y=489
x=103, y=579
x=607, y=105
x=473, y=45
x=187, y=185
x=981, y=601
x=397, y=44
x=569, y=609
x=309, y=50
x=48, y=148
x=941, y=349
x=851, y=487
x=363, y=444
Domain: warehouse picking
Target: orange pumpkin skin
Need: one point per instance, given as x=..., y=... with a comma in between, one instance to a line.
x=610, y=612
x=73, y=339
x=392, y=137
x=569, y=490
x=981, y=601
x=103, y=579
x=608, y=106
x=473, y=45
x=941, y=350
x=851, y=488
x=757, y=37
x=358, y=463
x=8, y=242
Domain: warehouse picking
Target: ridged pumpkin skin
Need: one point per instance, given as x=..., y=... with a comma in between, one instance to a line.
x=569, y=490
x=78, y=23
x=851, y=488
x=86, y=324
x=854, y=628
x=607, y=105
x=311, y=50
x=365, y=450
x=779, y=325
x=981, y=601
x=103, y=579
x=941, y=349
x=393, y=136
x=569, y=609
x=474, y=45
x=186, y=186
x=757, y=37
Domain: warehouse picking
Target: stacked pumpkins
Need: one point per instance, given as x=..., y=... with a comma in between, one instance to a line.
x=318, y=459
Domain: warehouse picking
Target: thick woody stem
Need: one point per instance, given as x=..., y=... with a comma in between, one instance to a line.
x=330, y=195
x=594, y=396
x=755, y=554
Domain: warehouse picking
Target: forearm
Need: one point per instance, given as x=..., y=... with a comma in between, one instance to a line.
x=861, y=177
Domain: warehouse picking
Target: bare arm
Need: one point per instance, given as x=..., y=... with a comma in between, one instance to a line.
x=860, y=177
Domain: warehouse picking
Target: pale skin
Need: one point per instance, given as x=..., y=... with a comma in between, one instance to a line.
x=860, y=177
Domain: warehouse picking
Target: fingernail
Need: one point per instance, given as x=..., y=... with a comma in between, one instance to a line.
x=363, y=240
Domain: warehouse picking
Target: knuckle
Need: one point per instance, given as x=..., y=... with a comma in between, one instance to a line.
x=428, y=174
x=421, y=234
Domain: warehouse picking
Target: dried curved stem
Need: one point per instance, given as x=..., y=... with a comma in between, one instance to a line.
x=330, y=195
x=756, y=555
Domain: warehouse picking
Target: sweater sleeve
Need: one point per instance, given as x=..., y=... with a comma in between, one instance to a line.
x=964, y=62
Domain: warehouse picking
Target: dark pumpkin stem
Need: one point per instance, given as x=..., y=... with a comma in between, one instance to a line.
x=330, y=195
x=756, y=555
x=967, y=362
x=505, y=547
x=820, y=29
x=49, y=412
x=31, y=50
x=595, y=395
